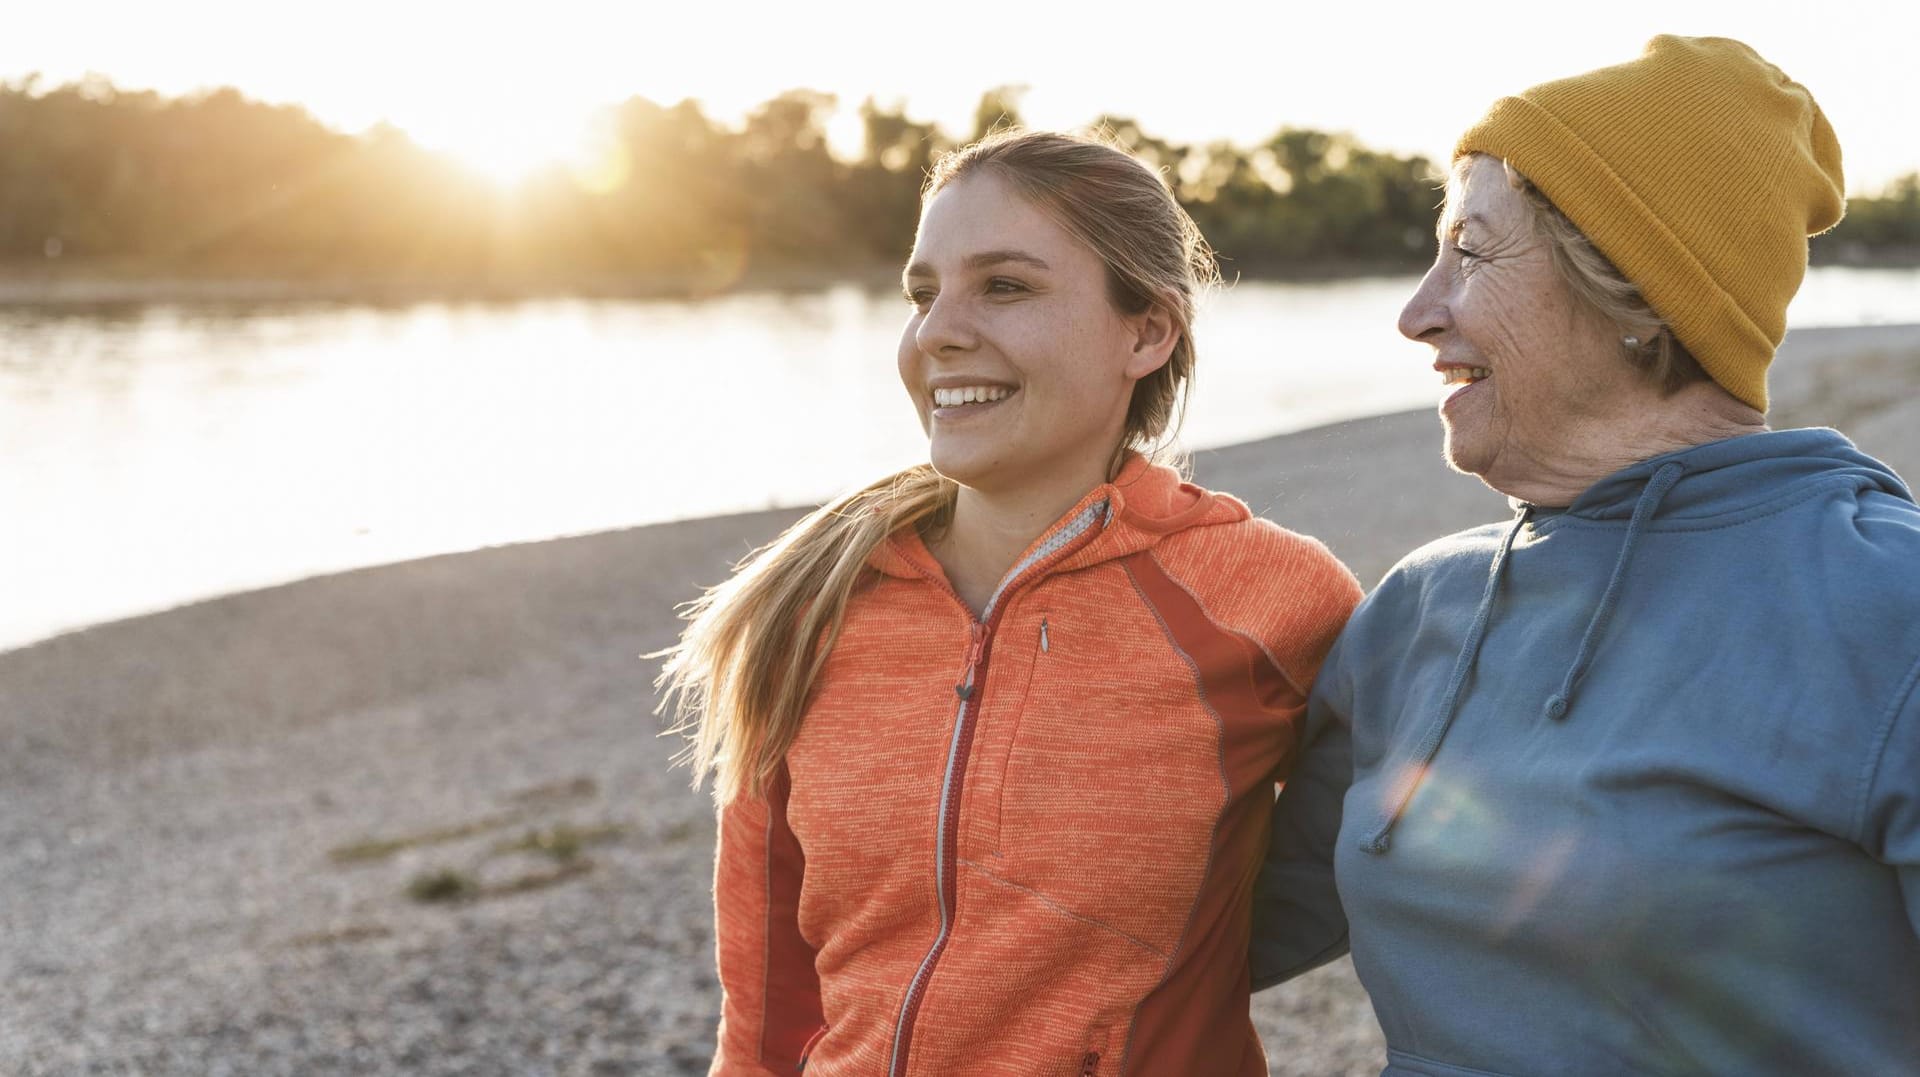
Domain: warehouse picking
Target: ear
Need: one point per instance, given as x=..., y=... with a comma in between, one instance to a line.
x=1153, y=333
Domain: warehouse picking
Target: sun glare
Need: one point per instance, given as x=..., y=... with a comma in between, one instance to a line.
x=507, y=148
x=506, y=161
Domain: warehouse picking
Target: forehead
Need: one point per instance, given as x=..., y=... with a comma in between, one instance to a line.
x=1478, y=191
x=983, y=212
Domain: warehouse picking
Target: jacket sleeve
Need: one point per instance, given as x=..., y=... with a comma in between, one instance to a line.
x=770, y=1007
x=1890, y=810
x=1298, y=924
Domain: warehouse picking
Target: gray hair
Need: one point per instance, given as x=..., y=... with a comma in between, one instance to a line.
x=1595, y=281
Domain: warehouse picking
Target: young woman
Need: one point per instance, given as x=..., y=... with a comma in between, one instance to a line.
x=995, y=738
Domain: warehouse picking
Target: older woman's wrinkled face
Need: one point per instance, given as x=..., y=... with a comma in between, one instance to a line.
x=1530, y=371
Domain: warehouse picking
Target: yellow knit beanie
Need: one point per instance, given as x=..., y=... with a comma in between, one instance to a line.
x=1699, y=170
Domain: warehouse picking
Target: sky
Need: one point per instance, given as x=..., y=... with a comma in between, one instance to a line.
x=512, y=87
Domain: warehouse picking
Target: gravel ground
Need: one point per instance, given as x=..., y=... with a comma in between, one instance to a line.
x=212, y=819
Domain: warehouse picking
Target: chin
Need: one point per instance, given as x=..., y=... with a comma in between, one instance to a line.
x=1460, y=455
x=963, y=464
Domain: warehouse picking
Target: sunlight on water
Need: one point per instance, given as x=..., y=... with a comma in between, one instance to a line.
x=162, y=454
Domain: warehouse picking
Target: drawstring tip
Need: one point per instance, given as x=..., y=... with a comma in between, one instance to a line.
x=1557, y=708
x=1377, y=845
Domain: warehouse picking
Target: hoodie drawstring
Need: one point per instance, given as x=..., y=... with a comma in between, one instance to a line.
x=1557, y=705
x=1643, y=510
x=1412, y=771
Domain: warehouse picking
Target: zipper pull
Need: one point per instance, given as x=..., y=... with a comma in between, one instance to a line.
x=1043, y=635
x=807, y=1051
x=1090, y=1064
x=974, y=650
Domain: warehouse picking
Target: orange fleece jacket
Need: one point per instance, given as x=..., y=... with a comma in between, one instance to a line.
x=1026, y=844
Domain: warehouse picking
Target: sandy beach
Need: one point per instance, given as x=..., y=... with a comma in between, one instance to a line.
x=417, y=819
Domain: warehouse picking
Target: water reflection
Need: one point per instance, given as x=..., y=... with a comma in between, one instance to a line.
x=155, y=454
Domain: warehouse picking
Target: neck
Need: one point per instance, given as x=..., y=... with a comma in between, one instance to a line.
x=992, y=528
x=1593, y=449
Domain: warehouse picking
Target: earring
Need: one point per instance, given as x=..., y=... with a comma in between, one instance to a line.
x=1630, y=341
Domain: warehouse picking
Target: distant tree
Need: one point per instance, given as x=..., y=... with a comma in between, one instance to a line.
x=683, y=205
x=895, y=143
x=880, y=196
x=789, y=178
x=92, y=175
x=998, y=107
x=1887, y=223
x=1164, y=157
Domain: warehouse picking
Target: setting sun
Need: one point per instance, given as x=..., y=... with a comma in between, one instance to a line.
x=507, y=144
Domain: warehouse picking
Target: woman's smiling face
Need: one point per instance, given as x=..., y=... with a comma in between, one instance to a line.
x=1531, y=362
x=1016, y=358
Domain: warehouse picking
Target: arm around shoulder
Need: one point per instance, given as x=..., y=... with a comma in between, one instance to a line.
x=1298, y=924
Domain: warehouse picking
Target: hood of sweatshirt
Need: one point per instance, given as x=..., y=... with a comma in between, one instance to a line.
x=1705, y=486
x=1143, y=504
x=1738, y=474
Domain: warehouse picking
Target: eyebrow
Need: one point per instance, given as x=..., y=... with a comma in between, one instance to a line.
x=982, y=260
x=1459, y=223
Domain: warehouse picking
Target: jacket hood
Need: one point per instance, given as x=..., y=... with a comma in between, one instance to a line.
x=1702, y=485
x=1739, y=473
x=1143, y=504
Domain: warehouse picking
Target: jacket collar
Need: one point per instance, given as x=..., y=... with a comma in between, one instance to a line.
x=1144, y=503
x=1738, y=473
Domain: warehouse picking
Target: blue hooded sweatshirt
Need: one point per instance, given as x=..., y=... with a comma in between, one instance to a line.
x=1637, y=782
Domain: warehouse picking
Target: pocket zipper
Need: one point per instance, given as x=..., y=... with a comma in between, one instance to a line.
x=807, y=1051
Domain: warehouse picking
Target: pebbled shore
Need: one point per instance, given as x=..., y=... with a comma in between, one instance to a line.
x=211, y=818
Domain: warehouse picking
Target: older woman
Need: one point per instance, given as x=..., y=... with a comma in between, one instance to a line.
x=1637, y=774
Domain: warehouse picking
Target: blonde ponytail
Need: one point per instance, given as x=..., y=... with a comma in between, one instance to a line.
x=738, y=680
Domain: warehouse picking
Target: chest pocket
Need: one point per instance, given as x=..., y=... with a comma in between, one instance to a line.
x=1109, y=779
x=1019, y=649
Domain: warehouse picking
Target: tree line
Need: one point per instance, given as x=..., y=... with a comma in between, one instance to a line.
x=138, y=183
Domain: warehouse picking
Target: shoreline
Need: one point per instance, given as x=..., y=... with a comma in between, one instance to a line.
x=22, y=286
x=106, y=284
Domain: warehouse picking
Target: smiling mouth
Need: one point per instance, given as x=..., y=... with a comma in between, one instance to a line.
x=1464, y=375
x=970, y=396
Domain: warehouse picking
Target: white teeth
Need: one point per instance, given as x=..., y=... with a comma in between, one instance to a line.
x=969, y=394
x=1455, y=375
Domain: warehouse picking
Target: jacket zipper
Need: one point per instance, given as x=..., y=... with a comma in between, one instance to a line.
x=946, y=853
x=975, y=652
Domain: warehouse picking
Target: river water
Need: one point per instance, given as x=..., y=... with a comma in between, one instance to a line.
x=153, y=455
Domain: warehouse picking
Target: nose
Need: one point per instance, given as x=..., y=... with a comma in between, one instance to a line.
x=946, y=327
x=1426, y=316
